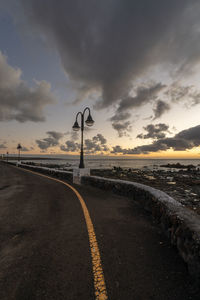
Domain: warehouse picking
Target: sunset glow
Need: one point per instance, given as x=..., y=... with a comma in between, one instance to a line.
x=135, y=71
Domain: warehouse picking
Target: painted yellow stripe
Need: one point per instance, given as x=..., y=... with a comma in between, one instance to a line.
x=99, y=281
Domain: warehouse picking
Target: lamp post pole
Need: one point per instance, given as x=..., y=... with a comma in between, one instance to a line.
x=81, y=165
x=19, y=147
x=76, y=127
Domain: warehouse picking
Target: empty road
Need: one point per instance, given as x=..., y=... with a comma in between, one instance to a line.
x=45, y=250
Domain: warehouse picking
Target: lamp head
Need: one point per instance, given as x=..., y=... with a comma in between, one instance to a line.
x=75, y=127
x=89, y=121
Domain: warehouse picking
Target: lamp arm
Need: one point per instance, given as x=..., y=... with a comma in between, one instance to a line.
x=87, y=108
x=79, y=113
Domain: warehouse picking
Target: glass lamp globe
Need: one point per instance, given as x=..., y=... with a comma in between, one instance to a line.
x=76, y=127
x=89, y=121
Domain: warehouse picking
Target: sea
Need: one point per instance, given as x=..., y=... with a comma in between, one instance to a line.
x=108, y=162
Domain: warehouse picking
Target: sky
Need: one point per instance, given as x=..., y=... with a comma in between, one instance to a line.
x=134, y=63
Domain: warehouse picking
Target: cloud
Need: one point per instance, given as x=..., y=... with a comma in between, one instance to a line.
x=96, y=144
x=117, y=149
x=43, y=151
x=151, y=93
x=91, y=146
x=195, y=98
x=99, y=138
x=51, y=141
x=179, y=93
x=55, y=135
x=157, y=131
x=121, y=116
x=192, y=134
x=105, y=45
x=122, y=128
x=119, y=124
x=17, y=100
x=160, y=108
x=184, y=140
x=3, y=146
x=24, y=149
x=74, y=135
x=144, y=94
x=71, y=146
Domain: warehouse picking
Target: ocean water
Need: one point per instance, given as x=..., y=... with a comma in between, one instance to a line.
x=101, y=163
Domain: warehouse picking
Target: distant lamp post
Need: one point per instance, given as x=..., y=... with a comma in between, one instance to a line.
x=19, y=147
x=7, y=156
x=76, y=127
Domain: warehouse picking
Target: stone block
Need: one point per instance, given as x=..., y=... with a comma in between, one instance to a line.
x=78, y=173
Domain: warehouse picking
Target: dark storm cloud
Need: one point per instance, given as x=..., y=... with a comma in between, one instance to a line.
x=17, y=100
x=94, y=145
x=184, y=140
x=51, y=141
x=160, y=108
x=144, y=95
x=157, y=131
x=107, y=44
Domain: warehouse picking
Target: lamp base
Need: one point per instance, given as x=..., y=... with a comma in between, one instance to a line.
x=78, y=173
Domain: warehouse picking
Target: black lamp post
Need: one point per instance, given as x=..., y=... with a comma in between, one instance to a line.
x=19, y=147
x=76, y=127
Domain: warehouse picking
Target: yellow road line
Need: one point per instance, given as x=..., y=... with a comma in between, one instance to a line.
x=99, y=281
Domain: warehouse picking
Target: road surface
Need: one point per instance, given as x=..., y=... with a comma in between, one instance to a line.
x=45, y=251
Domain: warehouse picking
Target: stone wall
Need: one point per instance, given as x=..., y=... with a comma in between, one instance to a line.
x=181, y=225
x=49, y=171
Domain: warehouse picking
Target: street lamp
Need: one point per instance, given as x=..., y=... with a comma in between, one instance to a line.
x=19, y=147
x=76, y=127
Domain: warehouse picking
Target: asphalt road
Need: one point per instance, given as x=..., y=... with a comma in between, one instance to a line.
x=45, y=250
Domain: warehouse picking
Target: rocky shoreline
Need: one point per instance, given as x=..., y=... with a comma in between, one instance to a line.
x=182, y=185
